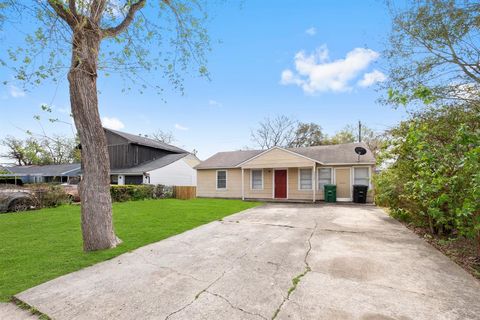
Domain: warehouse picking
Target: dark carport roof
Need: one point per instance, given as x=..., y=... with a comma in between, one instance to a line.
x=143, y=141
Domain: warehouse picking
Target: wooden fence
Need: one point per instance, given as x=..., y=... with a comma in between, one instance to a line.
x=184, y=193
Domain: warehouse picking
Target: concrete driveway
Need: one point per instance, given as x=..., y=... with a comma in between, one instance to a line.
x=282, y=261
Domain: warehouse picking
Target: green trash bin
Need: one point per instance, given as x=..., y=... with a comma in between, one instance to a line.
x=330, y=191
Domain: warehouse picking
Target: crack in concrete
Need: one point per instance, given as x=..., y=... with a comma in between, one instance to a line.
x=296, y=280
x=267, y=224
x=343, y=231
x=233, y=306
x=232, y=265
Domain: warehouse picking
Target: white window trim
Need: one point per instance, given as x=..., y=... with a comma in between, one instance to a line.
x=332, y=176
x=251, y=179
x=369, y=175
x=226, y=180
x=311, y=180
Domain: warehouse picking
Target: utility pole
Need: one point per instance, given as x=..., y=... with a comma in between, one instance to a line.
x=359, y=131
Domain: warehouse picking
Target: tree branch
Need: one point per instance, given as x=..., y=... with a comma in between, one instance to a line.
x=72, y=7
x=62, y=12
x=114, y=31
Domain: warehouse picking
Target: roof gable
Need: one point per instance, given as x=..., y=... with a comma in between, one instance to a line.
x=277, y=157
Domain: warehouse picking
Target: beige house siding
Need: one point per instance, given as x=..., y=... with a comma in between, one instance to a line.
x=207, y=184
x=278, y=158
x=294, y=192
x=266, y=192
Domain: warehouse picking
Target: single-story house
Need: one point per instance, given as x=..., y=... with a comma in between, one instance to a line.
x=63, y=173
x=134, y=159
x=287, y=174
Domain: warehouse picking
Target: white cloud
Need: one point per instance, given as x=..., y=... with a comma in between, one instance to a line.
x=180, y=127
x=112, y=123
x=311, y=31
x=315, y=72
x=16, y=92
x=372, y=78
x=214, y=103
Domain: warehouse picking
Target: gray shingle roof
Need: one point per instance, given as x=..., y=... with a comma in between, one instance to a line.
x=53, y=170
x=328, y=154
x=151, y=165
x=229, y=159
x=143, y=141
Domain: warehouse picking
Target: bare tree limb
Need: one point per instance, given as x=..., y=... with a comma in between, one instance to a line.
x=73, y=8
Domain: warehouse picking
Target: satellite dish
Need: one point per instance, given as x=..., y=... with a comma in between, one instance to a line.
x=360, y=151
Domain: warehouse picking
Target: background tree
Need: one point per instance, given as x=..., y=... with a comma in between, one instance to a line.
x=276, y=131
x=307, y=135
x=433, y=51
x=163, y=136
x=104, y=36
x=345, y=135
x=373, y=139
x=40, y=151
x=23, y=152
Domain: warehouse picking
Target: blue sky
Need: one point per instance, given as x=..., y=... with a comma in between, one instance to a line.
x=317, y=61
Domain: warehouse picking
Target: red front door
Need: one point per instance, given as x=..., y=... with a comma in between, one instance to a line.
x=281, y=184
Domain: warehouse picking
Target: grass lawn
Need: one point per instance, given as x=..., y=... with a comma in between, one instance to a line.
x=37, y=246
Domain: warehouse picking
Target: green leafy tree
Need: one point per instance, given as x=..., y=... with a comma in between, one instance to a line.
x=433, y=176
x=307, y=135
x=104, y=37
x=24, y=152
x=373, y=139
x=433, y=52
x=40, y=151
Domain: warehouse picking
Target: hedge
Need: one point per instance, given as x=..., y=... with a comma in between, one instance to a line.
x=122, y=193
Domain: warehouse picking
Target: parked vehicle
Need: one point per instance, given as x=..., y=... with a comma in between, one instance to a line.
x=17, y=199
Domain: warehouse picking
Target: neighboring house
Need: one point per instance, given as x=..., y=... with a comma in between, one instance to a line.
x=297, y=174
x=41, y=174
x=133, y=160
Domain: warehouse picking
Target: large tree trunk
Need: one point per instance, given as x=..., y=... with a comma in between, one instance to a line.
x=97, y=225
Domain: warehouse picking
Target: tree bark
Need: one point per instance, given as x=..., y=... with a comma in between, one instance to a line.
x=97, y=225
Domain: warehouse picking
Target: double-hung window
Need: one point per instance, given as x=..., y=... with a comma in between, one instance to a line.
x=361, y=176
x=324, y=177
x=257, y=179
x=221, y=179
x=305, y=179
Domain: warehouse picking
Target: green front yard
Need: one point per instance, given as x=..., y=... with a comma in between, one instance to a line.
x=37, y=246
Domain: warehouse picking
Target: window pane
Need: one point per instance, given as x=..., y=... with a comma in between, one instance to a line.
x=324, y=177
x=221, y=179
x=257, y=179
x=305, y=179
x=361, y=176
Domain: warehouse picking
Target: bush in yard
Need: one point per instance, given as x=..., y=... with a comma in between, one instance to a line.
x=163, y=192
x=433, y=177
x=49, y=195
x=122, y=193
